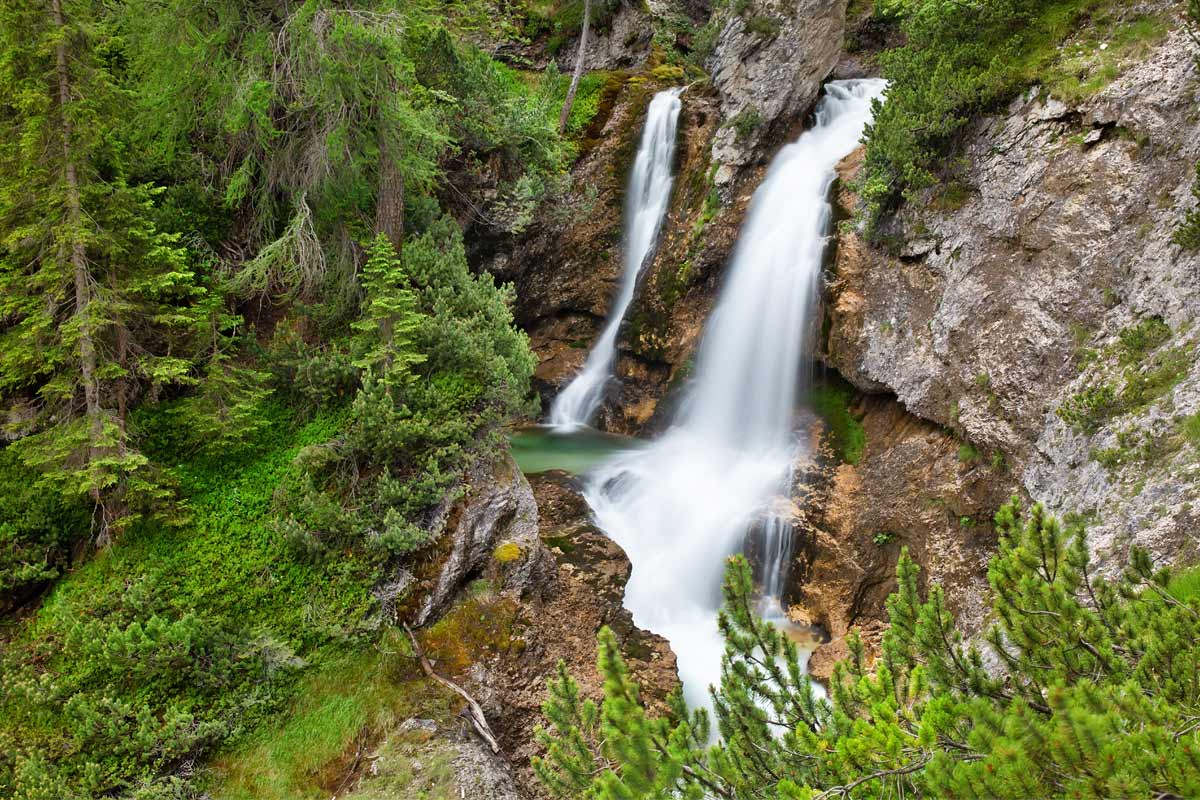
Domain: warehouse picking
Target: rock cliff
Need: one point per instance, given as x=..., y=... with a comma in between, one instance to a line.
x=768, y=68
x=1042, y=311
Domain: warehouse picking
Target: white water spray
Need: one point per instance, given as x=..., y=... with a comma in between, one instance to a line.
x=682, y=506
x=645, y=205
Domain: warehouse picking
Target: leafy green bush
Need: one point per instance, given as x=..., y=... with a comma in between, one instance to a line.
x=37, y=530
x=1136, y=341
x=1151, y=371
x=440, y=366
x=175, y=639
x=1161, y=373
x=746, y=123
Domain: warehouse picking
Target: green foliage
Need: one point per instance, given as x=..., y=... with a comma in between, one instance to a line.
x=345, y=702
x=37, y=530
x=962, y=58
x=389, y=318
x=1087, y=410
x=1191, y=429
x=585, y=742
x=1151, y=370
x=207, y=201
x=1187, y=235
x=173, y=640
x=97, y=304
x=1095, y=696
x=1136, y=341
x=441, y=365
x=563, y=20
x=763, y=26
x=1184, y=585
x=883, y=538
x=746, y=123
x=302, y=117
x=588, y=97
x=1158, y=375
x=846, y=433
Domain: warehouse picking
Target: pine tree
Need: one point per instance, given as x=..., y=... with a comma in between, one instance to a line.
x=1097, y=695
x=96, y=303
x=389, y=317
x=321, y=120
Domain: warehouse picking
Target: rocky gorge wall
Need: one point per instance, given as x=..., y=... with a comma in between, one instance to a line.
x=1055, y=275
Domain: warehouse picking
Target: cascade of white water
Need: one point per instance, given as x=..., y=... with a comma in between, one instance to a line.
x=682, y=506
x=645, y=205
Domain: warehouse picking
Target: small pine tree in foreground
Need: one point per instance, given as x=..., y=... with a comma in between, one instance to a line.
x=1093, y=691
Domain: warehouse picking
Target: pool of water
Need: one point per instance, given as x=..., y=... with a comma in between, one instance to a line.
x=540, y=448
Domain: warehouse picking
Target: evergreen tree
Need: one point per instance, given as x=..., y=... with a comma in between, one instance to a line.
x=436, y=366
x=1096, y=696
x=322, y=121
x=96, y=303
x=389, y=317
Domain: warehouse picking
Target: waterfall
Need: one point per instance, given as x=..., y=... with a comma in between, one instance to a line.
x=680, y=507
x=645, y=205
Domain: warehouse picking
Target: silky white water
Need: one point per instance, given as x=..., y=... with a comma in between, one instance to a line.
x=646, y=201
x=680, y=507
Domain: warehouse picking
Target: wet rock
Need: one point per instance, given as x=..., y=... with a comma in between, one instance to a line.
x=910, y=489
x=567, y=266
x=562, y=623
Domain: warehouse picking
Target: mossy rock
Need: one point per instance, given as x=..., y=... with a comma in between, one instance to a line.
x=507, y=552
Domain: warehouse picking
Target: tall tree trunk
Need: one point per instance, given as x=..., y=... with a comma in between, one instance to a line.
x=78, y=256
x=583, y=39
x=389, y=204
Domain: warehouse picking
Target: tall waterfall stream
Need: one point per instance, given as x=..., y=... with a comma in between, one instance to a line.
x=680, y=506
x=645, y=205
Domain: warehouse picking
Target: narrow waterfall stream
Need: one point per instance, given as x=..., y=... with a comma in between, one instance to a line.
x=684, y=504
x=646, y=201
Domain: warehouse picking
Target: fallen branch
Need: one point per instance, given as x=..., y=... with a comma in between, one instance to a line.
x=473, y=710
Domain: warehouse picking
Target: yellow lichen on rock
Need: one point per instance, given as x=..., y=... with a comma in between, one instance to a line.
x=507, y=552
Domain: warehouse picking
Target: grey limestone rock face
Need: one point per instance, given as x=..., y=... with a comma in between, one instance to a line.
x=996, y=312
x=769, y=64
x=625, y=43
x=498, y=509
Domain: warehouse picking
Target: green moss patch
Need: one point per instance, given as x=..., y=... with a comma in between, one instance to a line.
x=846, y=434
